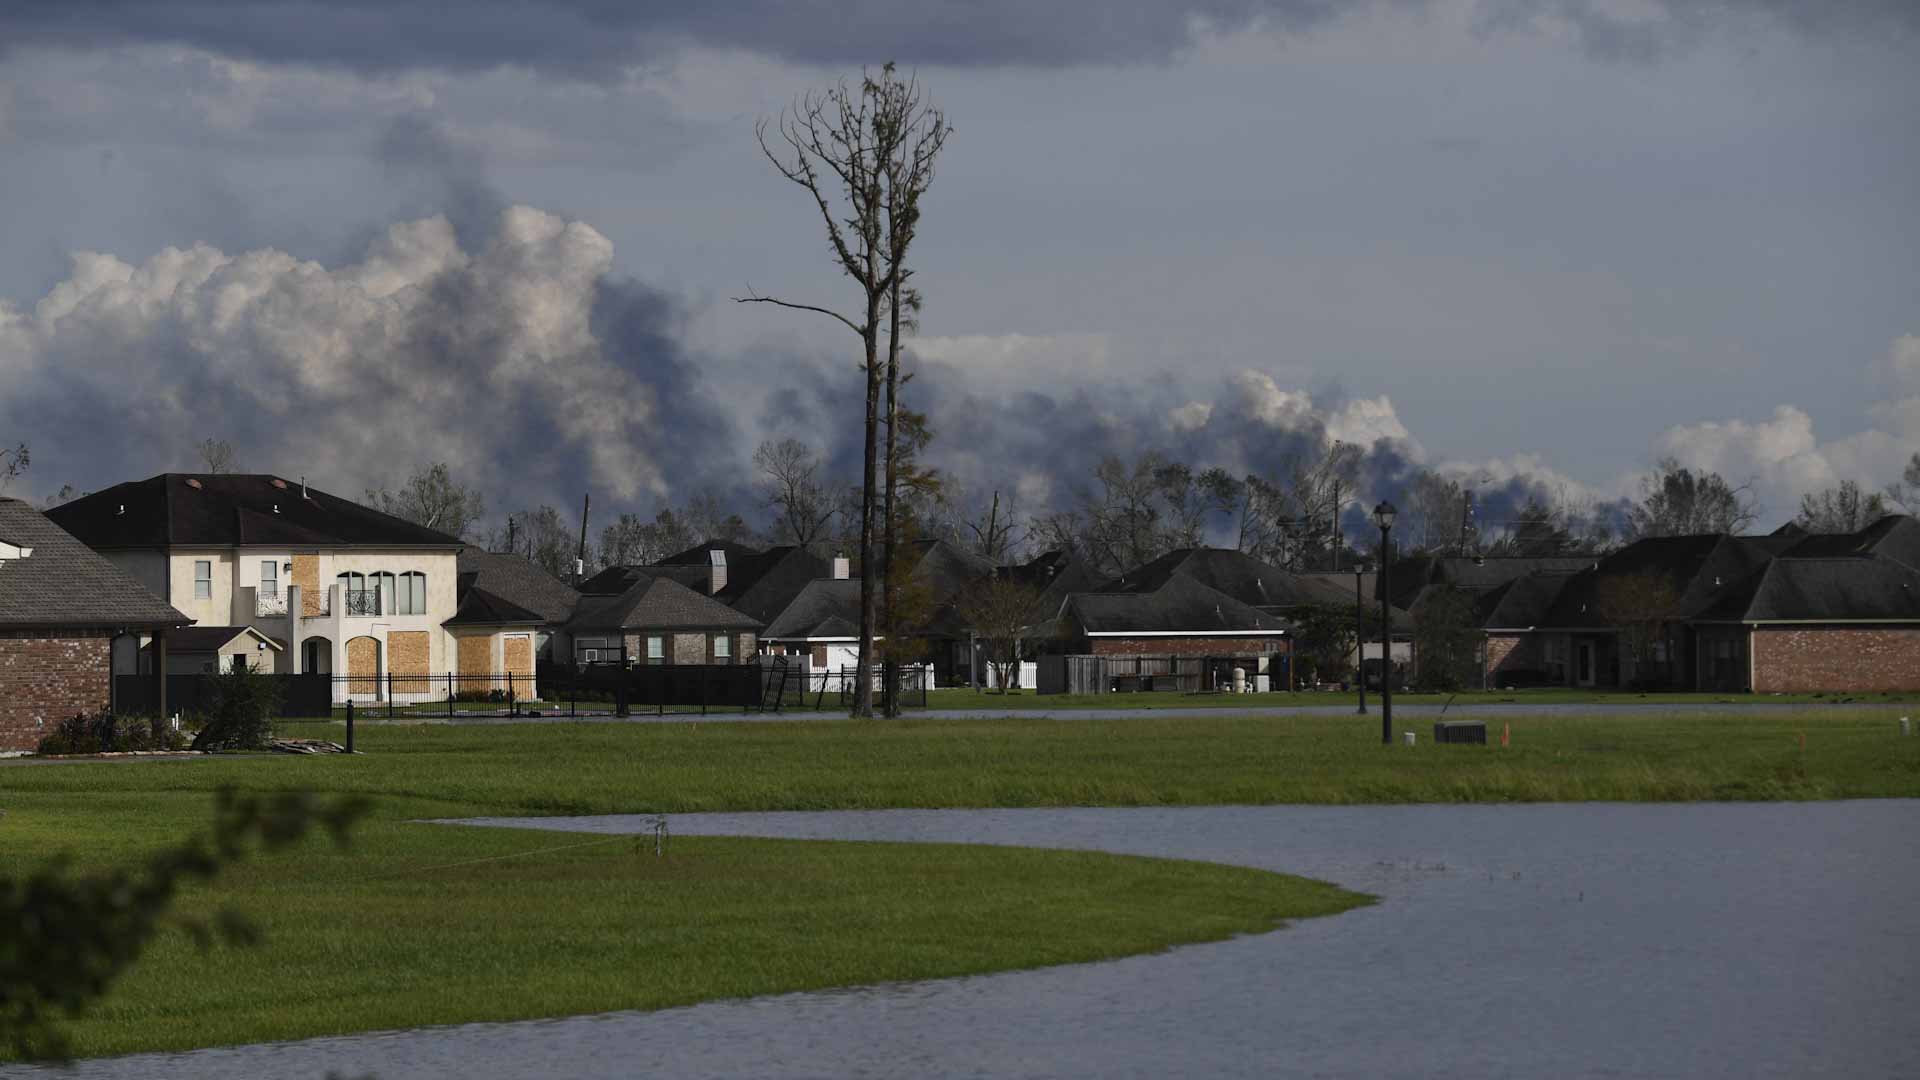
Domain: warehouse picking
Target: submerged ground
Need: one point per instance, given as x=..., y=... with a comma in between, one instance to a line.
x=422, y=924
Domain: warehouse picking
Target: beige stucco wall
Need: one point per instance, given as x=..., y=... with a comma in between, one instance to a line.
x=217, y=609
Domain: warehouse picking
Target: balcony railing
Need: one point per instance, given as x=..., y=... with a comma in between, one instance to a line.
x=363, y=601
x=269, y=603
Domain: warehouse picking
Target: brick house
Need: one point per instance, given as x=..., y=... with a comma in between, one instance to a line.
x=654, y=619
x=62, y=607
x=1789, y=611
x=1170, y=615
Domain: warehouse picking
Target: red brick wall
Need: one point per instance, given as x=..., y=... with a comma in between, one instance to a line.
x=1193, y=646
x=1790, y=659
x=1511, y=651
x=47, y=677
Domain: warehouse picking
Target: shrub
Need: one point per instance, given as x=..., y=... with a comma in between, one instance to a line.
x=498, y=697
x=237, y=708
x=103, y=732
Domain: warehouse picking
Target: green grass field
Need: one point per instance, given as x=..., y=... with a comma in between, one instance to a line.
x=1027, y=700
x=423, y=924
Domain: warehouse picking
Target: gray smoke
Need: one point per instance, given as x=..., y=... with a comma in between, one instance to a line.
x=593, y=39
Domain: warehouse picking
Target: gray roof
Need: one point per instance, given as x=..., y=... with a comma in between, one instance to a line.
x=66, y=584
x=825, y=608
x=1853, y=588
x=1179, y=605
x=190, y=639
x=657, y=603
x=478, y=607
x=519, y=582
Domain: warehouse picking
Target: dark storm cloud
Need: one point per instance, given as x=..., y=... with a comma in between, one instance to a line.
x=591, y=37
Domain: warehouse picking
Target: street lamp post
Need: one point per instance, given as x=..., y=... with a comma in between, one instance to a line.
x=1383, y=516
x=1359, y=640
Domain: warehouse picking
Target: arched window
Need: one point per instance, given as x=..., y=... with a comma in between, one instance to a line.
x=382, y=587
x=360, y=600
x=411, y=599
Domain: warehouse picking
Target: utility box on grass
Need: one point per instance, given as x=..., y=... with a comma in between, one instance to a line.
x=1460, y=731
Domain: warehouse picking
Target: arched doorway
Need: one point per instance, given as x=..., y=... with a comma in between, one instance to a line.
x=316, y=656
x=363, y=667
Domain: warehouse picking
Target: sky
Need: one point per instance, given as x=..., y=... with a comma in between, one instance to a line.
x=1535, y=244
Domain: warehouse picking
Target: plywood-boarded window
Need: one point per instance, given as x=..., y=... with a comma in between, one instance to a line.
x=363, y=662
x=476, y=662
x=407, y=656
x=306, y=575
x=518, y=651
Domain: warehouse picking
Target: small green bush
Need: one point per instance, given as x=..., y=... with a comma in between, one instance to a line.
x=103, y=732
x=237, y=708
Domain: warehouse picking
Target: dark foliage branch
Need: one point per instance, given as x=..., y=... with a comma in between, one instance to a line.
x=65, y=936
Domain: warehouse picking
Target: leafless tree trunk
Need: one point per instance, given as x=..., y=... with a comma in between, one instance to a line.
x=867, y=156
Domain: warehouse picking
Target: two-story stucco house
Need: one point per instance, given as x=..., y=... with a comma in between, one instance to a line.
x=327, y=585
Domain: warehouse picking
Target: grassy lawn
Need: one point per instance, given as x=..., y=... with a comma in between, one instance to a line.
x=429, y=924
x=1028, y=700
x=407, y=928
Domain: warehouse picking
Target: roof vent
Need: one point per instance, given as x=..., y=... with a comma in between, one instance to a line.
x=279, y=483
x=276, y=508
x=303, y=488
x=121, y=512
x=1716, y=581
x=192, y=483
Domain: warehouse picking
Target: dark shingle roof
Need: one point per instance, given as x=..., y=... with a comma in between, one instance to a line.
x=697, y=554
x=64, y=583
x=231, y=509
x=658, y=603
x=518, y=582
x=1851, y=588
x=1895, y=536
x=1243, y=577
x=1521, y=604
x=763, y=585
x=479, y=607
x=1179, y=604
x=209, y=638
x=826, y=607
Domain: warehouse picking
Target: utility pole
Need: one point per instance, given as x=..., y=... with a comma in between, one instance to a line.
x=580, y=560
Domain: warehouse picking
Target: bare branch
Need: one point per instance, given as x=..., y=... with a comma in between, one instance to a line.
x=751, y=298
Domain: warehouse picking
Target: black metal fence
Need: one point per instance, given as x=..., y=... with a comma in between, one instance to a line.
x=300, y=695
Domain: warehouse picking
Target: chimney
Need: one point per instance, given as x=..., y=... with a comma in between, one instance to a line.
x=842, y=568
x=716, y=571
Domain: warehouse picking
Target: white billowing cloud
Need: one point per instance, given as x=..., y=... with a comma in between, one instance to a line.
x=1783, y=458
x=1019, y=361
x=1190, y=417
x=1359, y=422
x=491, y=360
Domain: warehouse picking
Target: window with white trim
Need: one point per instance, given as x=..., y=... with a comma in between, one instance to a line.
x=722, y=647
x=656, y=649
x=203, y=579
x=410, y=598
x=269, y=577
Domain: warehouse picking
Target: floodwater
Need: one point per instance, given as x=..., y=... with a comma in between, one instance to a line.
x=1583, y=940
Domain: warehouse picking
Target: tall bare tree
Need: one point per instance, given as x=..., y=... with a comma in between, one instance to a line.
x=1842, y=509
x=13, y=462
x=432, y=498
x=1906, y=490
x=1676, y=501
x=790, y=482
x=865, y=157
x=216, y=455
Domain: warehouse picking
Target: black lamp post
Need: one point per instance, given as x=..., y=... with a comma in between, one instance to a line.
x=1359, y=640
x=1383, y=516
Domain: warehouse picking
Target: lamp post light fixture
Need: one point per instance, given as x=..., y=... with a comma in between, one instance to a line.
x=1359, y=639
x=1383, y=516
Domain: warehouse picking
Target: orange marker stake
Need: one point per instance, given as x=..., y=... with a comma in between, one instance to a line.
x=1506, y=733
